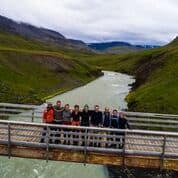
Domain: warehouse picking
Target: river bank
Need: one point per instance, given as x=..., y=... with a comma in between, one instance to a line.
x=60, y=92
x=107, y=90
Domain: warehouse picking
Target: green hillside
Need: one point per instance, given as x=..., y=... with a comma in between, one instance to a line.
x=30, y=70
x=123, y=49
x=156, y=72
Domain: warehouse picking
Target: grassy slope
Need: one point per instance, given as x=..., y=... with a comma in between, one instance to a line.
x=156, y=71
x=30, y=70
x=123, y=49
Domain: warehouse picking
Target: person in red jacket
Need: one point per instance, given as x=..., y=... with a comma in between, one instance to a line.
x=48, y=117
x=48, y=114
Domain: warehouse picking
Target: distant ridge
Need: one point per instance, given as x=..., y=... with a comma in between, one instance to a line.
x=41, y=34
x=119, y=47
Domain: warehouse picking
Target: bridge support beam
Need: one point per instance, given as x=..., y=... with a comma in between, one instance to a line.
x=92, y=158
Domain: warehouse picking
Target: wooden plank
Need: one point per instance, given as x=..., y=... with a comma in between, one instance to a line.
x=92, y=158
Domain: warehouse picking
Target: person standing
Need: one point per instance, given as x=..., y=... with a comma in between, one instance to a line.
x=48, y=114
x=58, y=119
x=96, y=121
x=96, y=117
x=106, y=118
x=67, y=115
x=123, y=124
x=85, y=121
x=76, y=116
x=58, y=112
x=85, y=116
x=115, y=125
x=48, y=118
x=106, y=124
x=115, y=119
x=67, y=120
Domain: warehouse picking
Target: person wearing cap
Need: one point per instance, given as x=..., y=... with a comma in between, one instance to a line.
x=48, y=117
x=48, y=114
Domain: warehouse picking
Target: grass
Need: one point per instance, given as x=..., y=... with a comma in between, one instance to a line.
x=31, y=71
x=156, y=73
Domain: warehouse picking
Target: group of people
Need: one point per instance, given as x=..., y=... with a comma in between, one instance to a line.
x=65, y=116
x=83, y=117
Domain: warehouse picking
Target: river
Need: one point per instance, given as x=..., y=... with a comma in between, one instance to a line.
x=108, y=90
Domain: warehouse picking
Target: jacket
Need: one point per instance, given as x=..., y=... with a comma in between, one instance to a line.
x=106, y=119
x=48, y=115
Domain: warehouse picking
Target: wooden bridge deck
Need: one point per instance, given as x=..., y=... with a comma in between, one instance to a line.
x=142, y=146
x=135, y=142
x=141, y=149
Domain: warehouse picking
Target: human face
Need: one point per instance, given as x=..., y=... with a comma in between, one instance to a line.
x=49, y=106
x=121, y=115
x=114, y=113
x=58, y=103
x=86, y=108
x=67, y=107
x=76, y=109
x=97, y=108
x=106, y=109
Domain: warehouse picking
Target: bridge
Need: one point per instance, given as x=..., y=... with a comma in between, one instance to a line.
x=152, y=142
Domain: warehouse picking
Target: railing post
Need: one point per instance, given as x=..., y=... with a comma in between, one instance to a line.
x=33, y=113
x=47, y=143
x=9, y=141
x=85, y=146
x=163, y=152
x=124, y=148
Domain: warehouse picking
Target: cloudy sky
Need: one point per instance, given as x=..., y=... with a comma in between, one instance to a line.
x=135, y=21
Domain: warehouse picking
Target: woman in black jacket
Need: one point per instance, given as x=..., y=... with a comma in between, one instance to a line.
x=123, y=124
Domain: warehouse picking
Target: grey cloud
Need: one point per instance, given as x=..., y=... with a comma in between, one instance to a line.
x=138, y=21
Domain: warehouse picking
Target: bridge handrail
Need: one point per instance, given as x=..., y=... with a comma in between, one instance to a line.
x=27, y=106
x=129, y=114
x=137, y=120
x=25, y=134
x=134, y=131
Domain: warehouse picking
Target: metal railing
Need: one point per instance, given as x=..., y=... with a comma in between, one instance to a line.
x=88, y=139
x=148, y=121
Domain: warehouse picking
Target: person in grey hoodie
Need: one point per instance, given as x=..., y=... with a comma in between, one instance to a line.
x=58, y=112
x=67, y=115
x=58, y=118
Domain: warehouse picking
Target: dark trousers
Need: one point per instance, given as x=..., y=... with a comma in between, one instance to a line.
x=44, y=133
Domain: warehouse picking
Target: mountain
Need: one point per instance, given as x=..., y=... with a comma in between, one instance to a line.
x=118, y=47
x=106, y=45
x=31, y=69
x=36, y=63
x=41, y=34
